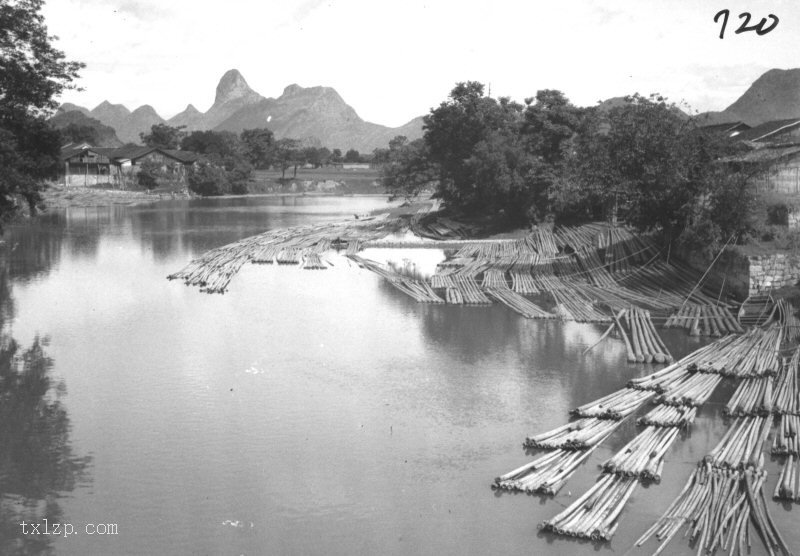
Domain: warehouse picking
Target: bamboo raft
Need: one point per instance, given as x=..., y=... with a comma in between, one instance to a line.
x=615, y=406
x=594, y=515
x=754, y=396
x=788, y=485
x=669, y=416
x=643, y=457
x=644, y=345
x=742, y=444
x=416, y=289
x=704, y=320
x=786, y=441
x=787, y=393
x=578, y=435
x=544, y=475
x=717, y=508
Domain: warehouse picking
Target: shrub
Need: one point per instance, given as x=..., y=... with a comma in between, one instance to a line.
x=207, y=179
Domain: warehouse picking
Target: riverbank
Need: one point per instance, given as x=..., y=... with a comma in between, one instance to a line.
x=59, y=197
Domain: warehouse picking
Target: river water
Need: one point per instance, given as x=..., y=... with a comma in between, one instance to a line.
x=303, y=412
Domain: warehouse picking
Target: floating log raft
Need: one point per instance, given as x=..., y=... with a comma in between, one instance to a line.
x=692, y=390
x=643, y=457
x=419, y=290
x=753, y=397
x=787, y=440
x=787, y=393
x=669, y=416
x=544, y=475
x=754, y=354
x=573, y=305
x=520, y=304
x=617, y=405
x=742, y=444
x=578, y=435
x=645, y=345
x=708, y=320
x=594, y=515
x=788, y=485
x=717, y=506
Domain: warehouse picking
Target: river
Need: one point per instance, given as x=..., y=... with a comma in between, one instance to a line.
x=303, y=412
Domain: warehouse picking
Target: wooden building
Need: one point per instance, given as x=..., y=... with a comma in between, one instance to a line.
x=84, y=165
x=775, y=132
x=777, y=167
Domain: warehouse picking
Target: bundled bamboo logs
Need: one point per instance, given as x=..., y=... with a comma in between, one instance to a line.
x=578, y=435
x=708, y=320
x=419, y=290
x=668, y=416
x=692, y=390
x=643, y=457
x=742, y=444
x=787, y=393
x=754, y=354
x=644, y=345
x=786, y=440
x=573, y=305
x=312, y=261
x=594, y=515
x=788, y=485
x=718, y=506
x=546, y=474
x=752, y=397
x=520, y=304
x=617, y=405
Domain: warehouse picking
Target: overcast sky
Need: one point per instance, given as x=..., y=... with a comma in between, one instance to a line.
x=394, y=60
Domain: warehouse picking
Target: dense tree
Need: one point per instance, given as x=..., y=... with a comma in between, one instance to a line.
x=258, y=146
x=352, y=155
x=408, y=169
x=164, y=136
x=287, y=154
x=336, y=155
x=76, y=133
x=225, y=166
x=32, y=74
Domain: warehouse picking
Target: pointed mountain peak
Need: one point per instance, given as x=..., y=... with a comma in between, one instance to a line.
x=105, y=106
x=232, y=86
x=292, y=90
x=190, y=109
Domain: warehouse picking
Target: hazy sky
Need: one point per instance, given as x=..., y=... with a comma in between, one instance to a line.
x=394, y=60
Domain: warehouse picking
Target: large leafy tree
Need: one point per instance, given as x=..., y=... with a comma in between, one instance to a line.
x=258, y=145
x=407, y=168
x=164, y=136
x=32, y=74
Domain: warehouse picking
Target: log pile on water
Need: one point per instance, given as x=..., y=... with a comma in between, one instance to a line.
x=704, y=320
x=786, y=441
x=578, y=435
x=594, y=515
x=743, y=444
x=617, y=405
x=643, y=457
x=754, y=396
x=518, y=303
x=669, y=416
x=754, y=354
x=644, y=344
x=717, y=507
x=787, y=393
x=544, y=475
x=788, y=486
x=419, y=290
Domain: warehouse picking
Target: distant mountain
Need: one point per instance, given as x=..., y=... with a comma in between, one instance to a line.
x=773, y=96
x=106, y=136
x=315, y=114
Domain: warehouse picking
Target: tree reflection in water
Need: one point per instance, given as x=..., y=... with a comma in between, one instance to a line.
x=37, y=464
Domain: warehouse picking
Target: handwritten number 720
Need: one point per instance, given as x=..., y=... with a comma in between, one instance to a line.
x=745, y=26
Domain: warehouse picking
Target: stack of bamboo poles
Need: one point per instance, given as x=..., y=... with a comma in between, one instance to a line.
x=546, y=474
x=756, y=310
x=573, y=305
x=787, y=393
x=419, y=290
x=643, y=457
x=312, y=261
x=742, y=444
x=691, y=390
x=518, y=303
x=786, y=440
x=617, y=405
x=494, y=278
x=754, y=396
x=705, y=320
x=756, y=353
x=669, y=416
x=718, y=506
x=644, y=345
x=594, y=515
x=578, y=435
x=542, y=241
x=788, y=486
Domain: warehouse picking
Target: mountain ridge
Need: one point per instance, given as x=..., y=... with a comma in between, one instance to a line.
x=315, y=113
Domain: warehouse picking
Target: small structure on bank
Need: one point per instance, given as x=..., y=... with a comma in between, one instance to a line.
x=85, y=165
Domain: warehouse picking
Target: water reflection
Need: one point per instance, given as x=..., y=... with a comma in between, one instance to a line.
x=37, y=463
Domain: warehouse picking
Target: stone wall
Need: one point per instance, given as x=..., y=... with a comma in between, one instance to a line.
x=741, y=276
x=773, y=271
